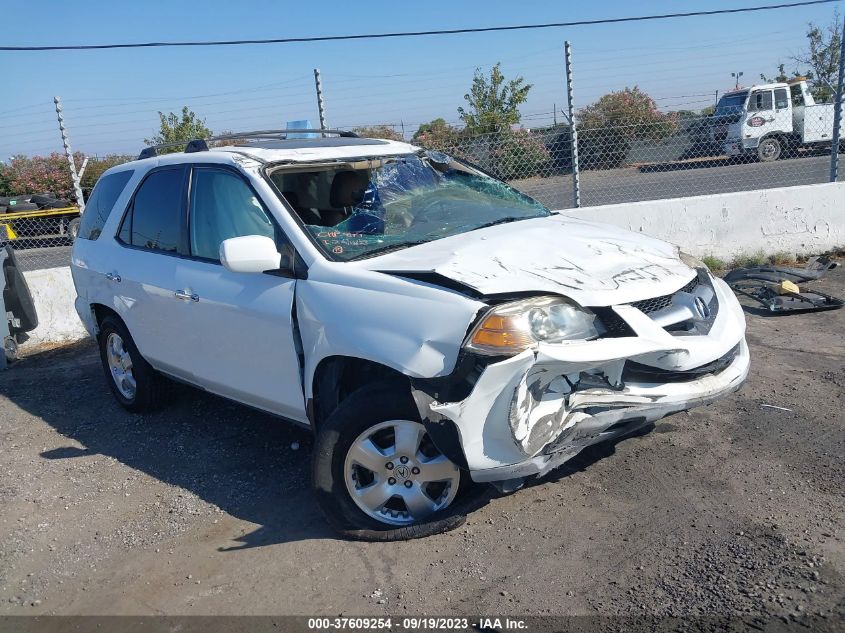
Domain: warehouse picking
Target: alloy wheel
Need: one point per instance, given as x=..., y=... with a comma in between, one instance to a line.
x=120, y=366
x=396, y=475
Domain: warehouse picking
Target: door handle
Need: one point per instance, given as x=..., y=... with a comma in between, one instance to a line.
x=186, y=296
x=113, y=277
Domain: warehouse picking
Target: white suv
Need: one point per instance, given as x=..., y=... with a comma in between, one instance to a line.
x=431, y=325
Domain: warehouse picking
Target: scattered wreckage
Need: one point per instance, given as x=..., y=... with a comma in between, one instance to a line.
x=432, y=325
x=776, y=287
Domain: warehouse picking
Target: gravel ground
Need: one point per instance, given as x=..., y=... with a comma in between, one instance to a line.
x=735, y=509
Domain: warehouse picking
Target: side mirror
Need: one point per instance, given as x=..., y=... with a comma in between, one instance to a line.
x=249, y=254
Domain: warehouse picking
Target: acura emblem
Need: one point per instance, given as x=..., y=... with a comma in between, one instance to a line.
x=702, y=308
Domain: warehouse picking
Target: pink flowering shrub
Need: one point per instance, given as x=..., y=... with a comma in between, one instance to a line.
x=39, y=174
x=607, y=127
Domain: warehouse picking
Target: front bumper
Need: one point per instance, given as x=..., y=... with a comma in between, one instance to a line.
x=738, y=146
x=576, y=394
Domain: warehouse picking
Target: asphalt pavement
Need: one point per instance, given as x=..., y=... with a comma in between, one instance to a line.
x=734, y=510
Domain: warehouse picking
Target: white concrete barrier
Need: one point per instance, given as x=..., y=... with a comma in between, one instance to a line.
x=799, y=220
x=53, y=294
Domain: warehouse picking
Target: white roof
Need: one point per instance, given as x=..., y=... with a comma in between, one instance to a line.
x=307, y=152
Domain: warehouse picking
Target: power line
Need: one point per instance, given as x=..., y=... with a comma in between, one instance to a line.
x=371, y=36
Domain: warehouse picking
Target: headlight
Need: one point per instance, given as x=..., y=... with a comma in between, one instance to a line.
x=692, y=262
x=513, y=327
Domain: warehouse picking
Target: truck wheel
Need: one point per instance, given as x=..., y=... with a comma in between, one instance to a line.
x=377, y=474
x=769, y=150
x=135, y=384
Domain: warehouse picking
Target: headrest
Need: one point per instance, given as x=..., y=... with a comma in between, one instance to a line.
x=348, y=188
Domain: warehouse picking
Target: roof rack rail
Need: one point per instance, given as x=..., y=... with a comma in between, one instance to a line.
x=201, y=145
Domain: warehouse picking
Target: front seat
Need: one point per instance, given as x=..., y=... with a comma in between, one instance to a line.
x=349, y=190
x=308, y=216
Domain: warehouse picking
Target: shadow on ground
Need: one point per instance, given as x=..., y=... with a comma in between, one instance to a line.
x=251, y=465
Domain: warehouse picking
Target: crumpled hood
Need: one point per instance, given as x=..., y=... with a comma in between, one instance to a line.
x=594, y=264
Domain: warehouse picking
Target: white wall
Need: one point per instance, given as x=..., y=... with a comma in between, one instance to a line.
x=53, y=293
x=801, y=220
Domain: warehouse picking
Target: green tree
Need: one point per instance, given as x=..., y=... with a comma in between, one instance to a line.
x=4, y=180
x=822, y=56
x=176, y=128
x=820, y=60
x=493, y=102
x=378, y=131
x=779, y=78
x=437, y=134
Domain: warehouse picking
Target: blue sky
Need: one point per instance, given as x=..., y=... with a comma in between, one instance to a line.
x=111, y=97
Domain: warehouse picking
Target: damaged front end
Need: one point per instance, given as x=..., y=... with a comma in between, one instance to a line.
x=507, y=417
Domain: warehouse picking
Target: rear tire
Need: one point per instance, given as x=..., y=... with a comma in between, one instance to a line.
x=373, y=409
x=133, y=382
x=769, y=150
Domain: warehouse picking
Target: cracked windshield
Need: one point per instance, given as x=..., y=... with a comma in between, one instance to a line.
x=361, y=209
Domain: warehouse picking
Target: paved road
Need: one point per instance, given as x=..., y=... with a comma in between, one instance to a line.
x=609, y=187
x=38, y=258
x=204, y=508
x=631, y=185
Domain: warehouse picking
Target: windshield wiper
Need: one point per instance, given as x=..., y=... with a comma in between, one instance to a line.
x=381, y=250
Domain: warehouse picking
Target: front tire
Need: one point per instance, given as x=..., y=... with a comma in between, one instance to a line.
x=132, y=380
x=769, y=150
x=376, y=473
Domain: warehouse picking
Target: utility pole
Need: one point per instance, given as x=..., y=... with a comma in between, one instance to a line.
x=716, y=102
x=76, y=177
x=573, y=132
x=737, y=75
x=554, y=114
x=837, y=114
x=321, y=106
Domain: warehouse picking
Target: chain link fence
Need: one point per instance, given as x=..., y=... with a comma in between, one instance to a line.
x=40, y=228
x=767, y=137
x=770, y=143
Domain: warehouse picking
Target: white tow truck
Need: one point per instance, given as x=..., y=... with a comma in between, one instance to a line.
x=771, y=119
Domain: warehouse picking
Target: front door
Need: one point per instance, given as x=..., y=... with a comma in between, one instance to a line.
x=769, y=112
x=240, y=328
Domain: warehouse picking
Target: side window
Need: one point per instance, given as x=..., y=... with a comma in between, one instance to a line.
x=99, y=205
x=781, y=98
x=153, y=220
x=222, y=206
x=760, y=101
x=797, y=95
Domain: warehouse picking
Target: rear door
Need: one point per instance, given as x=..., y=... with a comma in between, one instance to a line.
x=240, y=329
x=144, y=275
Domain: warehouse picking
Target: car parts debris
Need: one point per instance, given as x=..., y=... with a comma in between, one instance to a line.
x=781, y=298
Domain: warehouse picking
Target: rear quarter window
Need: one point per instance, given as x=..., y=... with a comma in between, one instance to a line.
x=100, y=204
